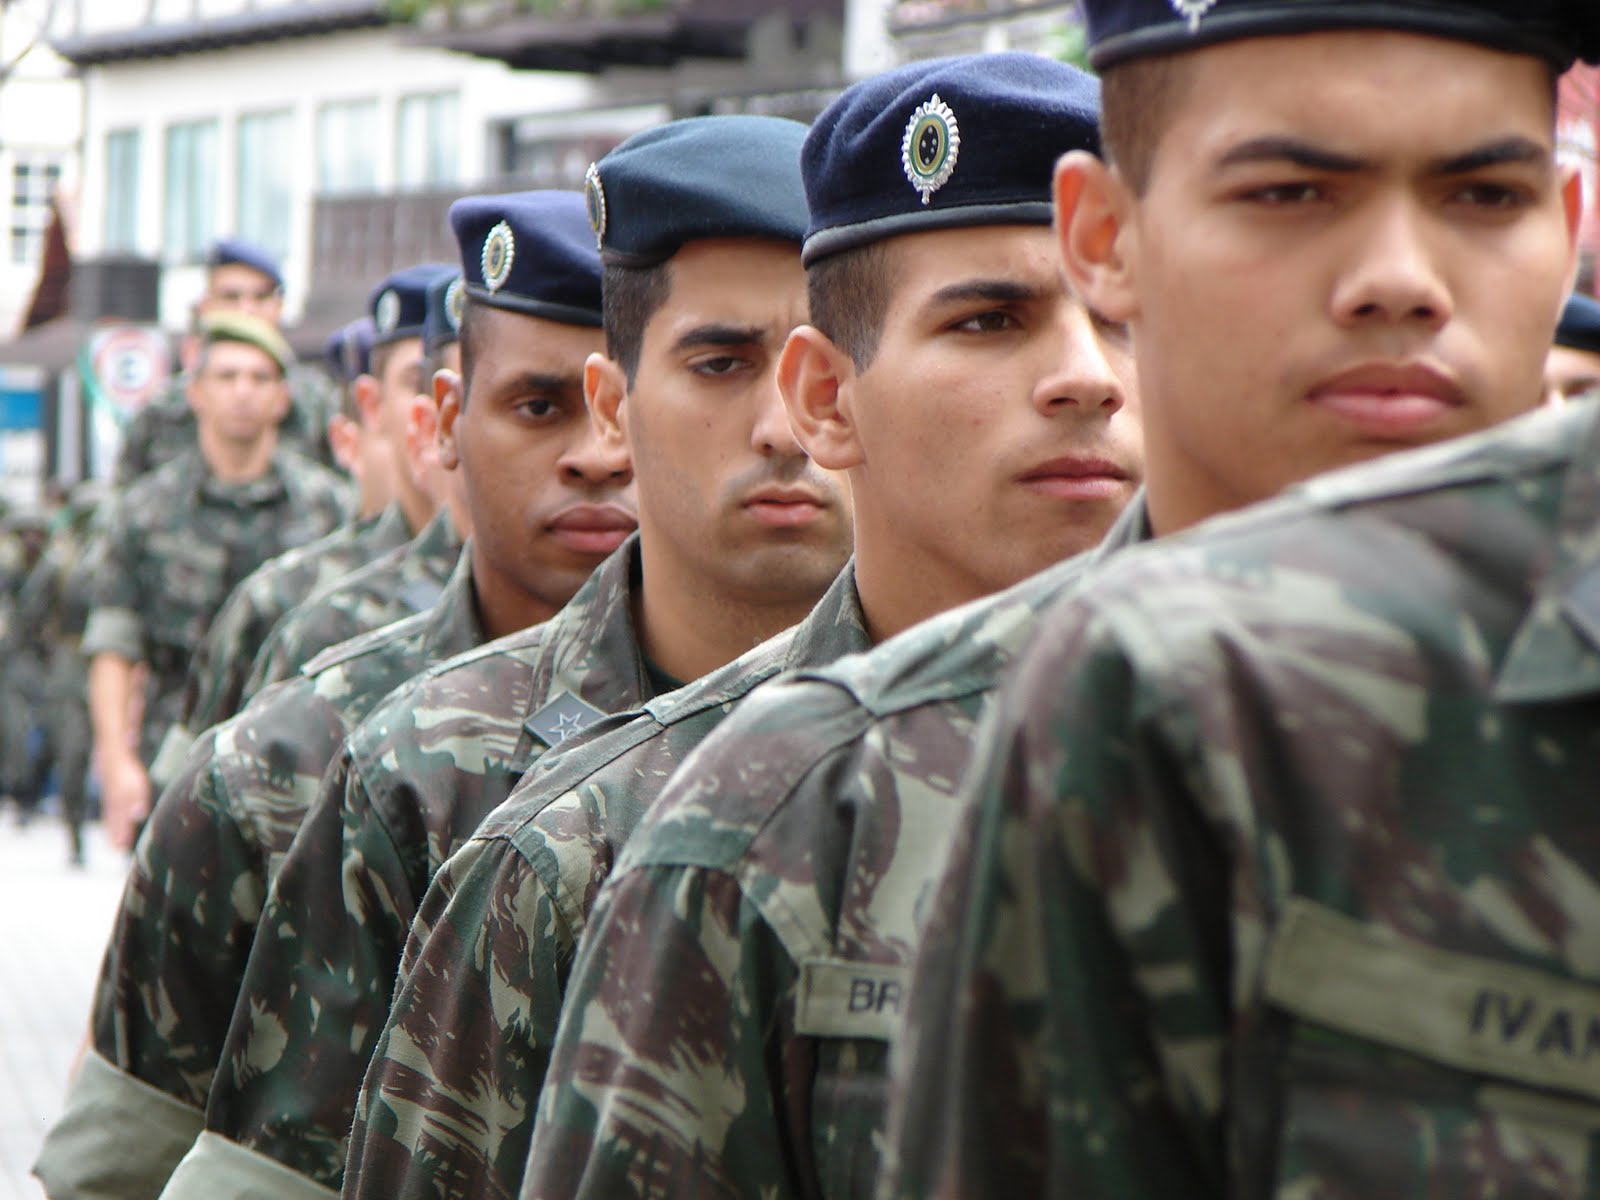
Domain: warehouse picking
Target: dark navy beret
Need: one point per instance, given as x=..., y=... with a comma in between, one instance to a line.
x=702, y=177
x=441, y=324
x=227, y=252
x=1580, y=323
x=530, y=252
x=349, y=349
x=951, y=141
x=1559, y=30
x=399, y=305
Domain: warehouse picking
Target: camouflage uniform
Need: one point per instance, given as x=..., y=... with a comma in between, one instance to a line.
x=1282, y=878
x=397, y=583
x=216, y=680
x=410, y=786
x=447, y=1107
x=165, y=428
x=778, y=878
x=192, y=902
x=177, y=542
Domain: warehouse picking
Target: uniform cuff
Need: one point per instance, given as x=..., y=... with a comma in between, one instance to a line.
x=114, y=631
x=117, y=1136
x=219, y=1169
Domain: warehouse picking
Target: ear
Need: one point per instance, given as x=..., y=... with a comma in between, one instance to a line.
x=284, y=400
x=369, y=397
x=1093, y=211
x=448, y=396
x=422, y=429
x=605, y=389
x=1572, y=202
x=813, y=375
x=191, y=392
x=344, y=439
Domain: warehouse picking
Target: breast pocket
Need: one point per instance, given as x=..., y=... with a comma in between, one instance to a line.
x=1413, y=1071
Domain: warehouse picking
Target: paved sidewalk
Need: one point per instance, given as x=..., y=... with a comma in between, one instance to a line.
x=53, y=926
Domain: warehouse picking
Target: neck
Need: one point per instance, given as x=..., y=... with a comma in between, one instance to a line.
x=503, y=607
x=416, y=507
x=237, y=462
x=688, y=628
x=901, y=586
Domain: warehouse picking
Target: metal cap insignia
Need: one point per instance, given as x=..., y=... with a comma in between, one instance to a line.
x=929, y=149
x=1193, y=10
x=594, y=198
x=499, y=251
x=386, y=313
x=455, y=296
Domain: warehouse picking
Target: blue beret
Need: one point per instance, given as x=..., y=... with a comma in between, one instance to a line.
x=530, y=252
x=399, y=304
x=227, y=252
x=1559, y=30
x=951, y=141
x=702, y=177
x=349, y=349
x=1580, y=324
x=441, y=324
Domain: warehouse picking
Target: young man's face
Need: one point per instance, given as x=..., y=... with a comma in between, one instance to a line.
x=997, y=423
x=238, y=393
x=545, y=506
x=722, y=482
x=1350, y=243
x=235, y=287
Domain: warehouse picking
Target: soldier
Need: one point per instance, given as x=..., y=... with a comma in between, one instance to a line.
x=382, y=396
x=963, y=294
x=189, y=912
x=1326, y=249
x=25, y=665
x=699, y=223
x=180, y=538
x=1573, y=368
x=242, y=278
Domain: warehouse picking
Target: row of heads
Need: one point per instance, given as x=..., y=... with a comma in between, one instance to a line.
x=942, y=143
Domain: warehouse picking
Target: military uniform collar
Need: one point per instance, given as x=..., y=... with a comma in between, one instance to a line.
x=1556, y=652
x=264, y=489
x=835, y=627
x=453, y=619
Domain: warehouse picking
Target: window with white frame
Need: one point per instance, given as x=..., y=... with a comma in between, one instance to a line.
x=33, y=183
x=425, y=140
x=122, y=190
x=189, y=216
x=264, y=163
x=347, y=147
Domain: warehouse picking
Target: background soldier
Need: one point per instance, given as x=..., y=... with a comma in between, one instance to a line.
x=1573, y=368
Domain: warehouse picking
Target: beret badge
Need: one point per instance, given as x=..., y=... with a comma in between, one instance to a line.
x=499, y=251
x=454, y=299
x=386, y=313
x=1193, y=10
x=594, y=200
x=931, y=144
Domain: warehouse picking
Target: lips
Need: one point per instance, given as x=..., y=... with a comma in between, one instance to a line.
x=592, y=528
x=784, y=508
x=1074, y=478
x=1390, y=401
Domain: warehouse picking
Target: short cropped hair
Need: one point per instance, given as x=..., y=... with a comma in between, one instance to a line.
x=631, y=297
x=849, y=295
x=1137, y=100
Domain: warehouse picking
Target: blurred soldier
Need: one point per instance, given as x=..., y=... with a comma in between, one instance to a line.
x=1573, y=368
x=241, y=278
x=1327, y=250
x=53, y=607
x=382, y=392
x=739, y=535
x=25, y=665
x=180, y=538
x=963, y=295
x=216, y=836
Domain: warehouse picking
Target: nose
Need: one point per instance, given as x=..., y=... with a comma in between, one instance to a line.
x=590, y=461
x=1391, y=275
x=771, y=434
x=1083, y=378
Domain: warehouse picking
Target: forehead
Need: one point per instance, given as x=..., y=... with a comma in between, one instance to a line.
x=237, y=276
x=1376, y=92
x=919, y=263
x=734, y=282
x=239, y=356
x=506, y=344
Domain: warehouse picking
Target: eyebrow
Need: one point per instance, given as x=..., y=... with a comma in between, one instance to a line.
x=537, y=381
x=720, y=335
x=991, y=291
x=1294, y=152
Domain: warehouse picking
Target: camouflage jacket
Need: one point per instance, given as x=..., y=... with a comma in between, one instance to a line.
x=397, y=583
x=1281, y=877
x=215, y=688
x=766, y=911
x=164, y=429
x=194, y=895
x=410, y=786
x=447, y=1107
x=176, y=542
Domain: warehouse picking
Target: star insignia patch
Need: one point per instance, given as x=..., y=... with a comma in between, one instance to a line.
x=594, y=199
x=499, y=252
x=564, y=717
x=455, y=297
x=930, y=147
x=1193, y=10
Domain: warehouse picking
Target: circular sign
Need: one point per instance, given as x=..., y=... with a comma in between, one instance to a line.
x=131, y=364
